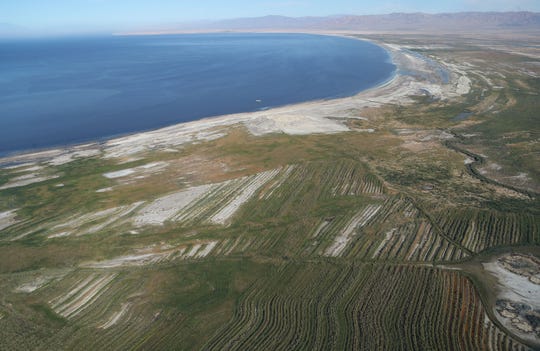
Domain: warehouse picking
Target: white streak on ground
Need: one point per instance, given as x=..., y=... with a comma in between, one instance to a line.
x=294, y=123
x=179, y=253
x=358, y=221
x=463, y=85
x=387, y=238
x=129, y=260
x=279, y=182
x=26, y=180
x=141, y=170
x=207, y=249
x=116, y=317
x=168, y=206
x=190, y=203
x=168, y=253
x=21, y=236
x=72, y=155
x=7, y=219
x=104, y=190
x=320, y=228
x=223, y=215
x=80, y=284
x=84, y=297
x=30, y=169
x=59, y=235
x=107, y=218
x=17, y=168
x=33, y=285
x=123, y=211
x=193, y=251
x=233, y=246
x=214, y=196
x=79, y=220
x=119, y=174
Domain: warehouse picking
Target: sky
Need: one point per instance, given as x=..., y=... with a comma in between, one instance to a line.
x=110, y=15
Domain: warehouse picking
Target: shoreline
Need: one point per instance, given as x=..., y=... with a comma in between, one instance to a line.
x=105, y=139
x=287, y=119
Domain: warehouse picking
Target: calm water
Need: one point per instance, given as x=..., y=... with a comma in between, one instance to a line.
x=63, y=91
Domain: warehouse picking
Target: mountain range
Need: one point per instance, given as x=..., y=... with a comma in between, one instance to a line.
x=464, y=21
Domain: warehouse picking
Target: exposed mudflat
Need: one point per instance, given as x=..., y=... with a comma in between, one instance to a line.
x=518, y=297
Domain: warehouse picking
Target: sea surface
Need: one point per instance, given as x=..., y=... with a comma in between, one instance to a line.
x=63, y=91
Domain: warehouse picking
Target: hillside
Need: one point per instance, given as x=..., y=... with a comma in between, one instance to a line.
x=416, y=22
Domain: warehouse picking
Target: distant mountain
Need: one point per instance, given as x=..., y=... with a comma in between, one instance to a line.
x=464, y=21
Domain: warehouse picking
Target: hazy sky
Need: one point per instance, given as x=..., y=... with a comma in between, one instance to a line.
x=84, y=15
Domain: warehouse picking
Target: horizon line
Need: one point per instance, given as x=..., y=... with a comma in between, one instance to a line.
x=18, y=31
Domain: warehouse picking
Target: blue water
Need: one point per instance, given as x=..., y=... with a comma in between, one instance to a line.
x=65, y=91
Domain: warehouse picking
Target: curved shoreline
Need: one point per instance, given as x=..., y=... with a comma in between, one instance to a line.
x=183, y=116
x=302, y=118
